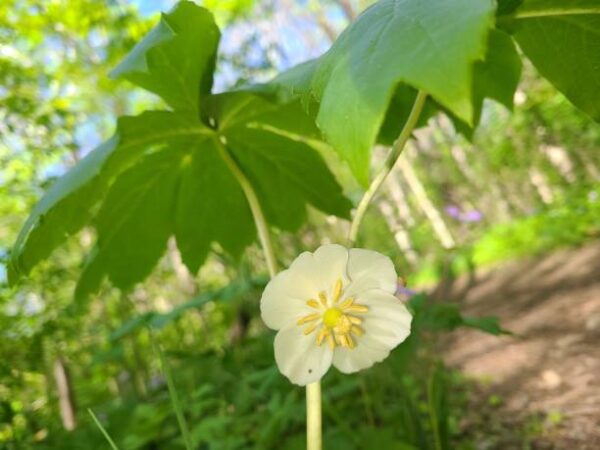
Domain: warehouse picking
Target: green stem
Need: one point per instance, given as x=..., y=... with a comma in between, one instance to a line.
x=103, y=430
x=433, y=417
x=314, y=440
x=388, y=165
x=367, y=401
x=175, y=401
x=313, y=391
x=255, y=208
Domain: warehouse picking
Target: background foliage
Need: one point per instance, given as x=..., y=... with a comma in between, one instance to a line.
x=519, y=184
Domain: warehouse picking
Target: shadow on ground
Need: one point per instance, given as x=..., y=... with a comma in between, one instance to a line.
x=544, y=380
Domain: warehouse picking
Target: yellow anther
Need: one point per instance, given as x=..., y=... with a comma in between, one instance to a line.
x=334, y=324
x=308, y=318
x=347, y=303
x=355, y=320
x=357, y=330
x=313, y=303
x=343, y=338
x=330, y=341
x=337, y=290
x=323, y=298
x=311, y=328
x=351, y=343
x=322, y=335
x=343, y=325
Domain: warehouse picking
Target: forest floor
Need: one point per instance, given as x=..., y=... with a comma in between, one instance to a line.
x=539, y=388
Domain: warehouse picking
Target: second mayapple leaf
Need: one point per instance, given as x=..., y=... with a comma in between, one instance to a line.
x=428, y=45
x=496, y=77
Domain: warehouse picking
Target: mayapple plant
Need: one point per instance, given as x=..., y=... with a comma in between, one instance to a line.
x=224, y=168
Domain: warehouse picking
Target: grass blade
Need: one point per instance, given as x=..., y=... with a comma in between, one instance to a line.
x=104, y=432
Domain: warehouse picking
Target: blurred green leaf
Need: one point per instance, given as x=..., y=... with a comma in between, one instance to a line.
x=447, y=317
x=562, y=39
x=235, y=289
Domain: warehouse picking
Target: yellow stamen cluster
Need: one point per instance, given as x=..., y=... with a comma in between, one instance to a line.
x=335, y=319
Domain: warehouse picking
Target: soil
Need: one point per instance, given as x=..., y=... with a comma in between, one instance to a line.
x=539, y=388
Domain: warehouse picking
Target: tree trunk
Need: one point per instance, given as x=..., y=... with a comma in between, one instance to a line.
x=401, y=235
x=437, y=222
x=65, y=395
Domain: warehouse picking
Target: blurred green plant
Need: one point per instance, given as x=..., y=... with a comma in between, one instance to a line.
x=237, y=399
x=221, y=358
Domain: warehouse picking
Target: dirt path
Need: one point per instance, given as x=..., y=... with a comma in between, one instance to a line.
x=545, y=380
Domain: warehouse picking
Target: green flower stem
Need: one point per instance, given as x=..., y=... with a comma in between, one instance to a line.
x=255, y=208
x=388, y=165
x=314, y=440
x=313, y=391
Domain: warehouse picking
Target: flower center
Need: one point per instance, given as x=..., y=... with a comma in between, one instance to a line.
x=332, y=317
x=335, y=319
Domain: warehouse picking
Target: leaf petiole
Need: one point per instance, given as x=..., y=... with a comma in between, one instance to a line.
x=255, y=208
x=388, y=165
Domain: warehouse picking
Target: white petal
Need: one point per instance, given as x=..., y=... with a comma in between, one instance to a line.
x=386, y=324
x=298, y=356
x=283, y=301
x=327, y=265
x=368, y=270
x=388, y=320
x=363, y=356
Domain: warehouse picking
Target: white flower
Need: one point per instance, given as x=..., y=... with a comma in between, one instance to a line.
x=334, y=306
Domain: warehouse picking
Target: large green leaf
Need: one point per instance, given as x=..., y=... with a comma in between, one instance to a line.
x=185, y=189
x=429, y=45
x=210, y=208
x=62, y=211
x=169, y=173
x=68, y=205
x=136, y=218
x=286, y=174
x=562, y=39
x=176, y=60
